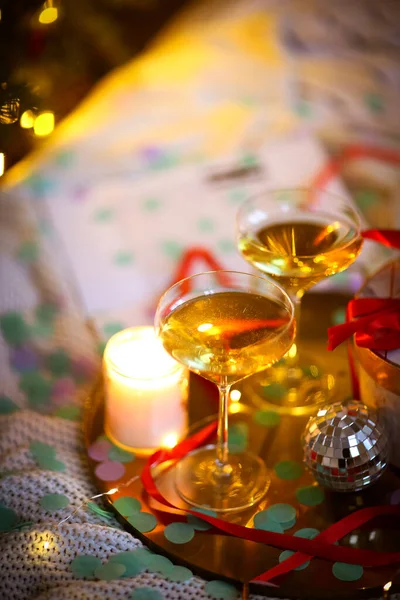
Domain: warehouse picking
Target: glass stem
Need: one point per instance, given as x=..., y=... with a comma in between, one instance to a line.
x=293, y=353
x=223, y=467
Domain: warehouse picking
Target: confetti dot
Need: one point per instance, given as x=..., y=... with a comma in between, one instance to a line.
x=132, y=564
x=346, y=572
x=198, y=524
x=112, y=328
x=144, y=556
x=237, y=196
x=85, y=565
x=101, y=347
x=374, y=102
x=59, y=363
x=7, y=406
x=143, y=522
x=14, y=329
x=51, y=464
x=238, y=437
x=120, y=455
x=275, y=391
x=127, y=506
x=99, y=450
x=221, y=590
x=265, y=523
x=308, y=533
x=179, y=574
x=288, y=469
x=99, y=511
x=109, y=571
x=123, y=258
x=287, y=554
x=226, y=246
x=42, y=329
x=151, y=204
x=338, y=316
x=366, y=198
x=39, y=449
x=54, y=501
x=146, y=593
x=38, y=184
x=249, y=160
x=282, y=513
x=103, y=215
x=160, y=564
x=171, y=249
x=110, y=470
x=28, y=252
x=268, y=418
x=8, y=519
x=205, y=225
x=303, y=109
x=24, y=359
x=310, y=495
x=36, y=388
x=179, y=533
x=46, y=312
x=65, y=158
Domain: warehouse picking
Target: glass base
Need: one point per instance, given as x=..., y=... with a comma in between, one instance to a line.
x=296, y=389
x=200, y=484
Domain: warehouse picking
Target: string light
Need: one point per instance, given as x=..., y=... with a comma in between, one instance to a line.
x=109, y=493
x=2, y=163
x=44, y=124
x=27, y=119
x=49, y=13
x=235, y=395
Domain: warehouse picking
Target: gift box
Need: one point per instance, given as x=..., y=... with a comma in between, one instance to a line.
x=378, y=366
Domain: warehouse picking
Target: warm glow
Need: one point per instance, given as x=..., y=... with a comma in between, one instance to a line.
x=2, y=163
x=44, y=124
x=112, y=491
x=48, y=15
x=387, y=586
x=27, y=119
x=204, y=327
x=46, y=545
x=291, y=353
x=170, y=440
x=235, y=395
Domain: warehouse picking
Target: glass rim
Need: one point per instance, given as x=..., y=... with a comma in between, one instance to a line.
x=262, y=278
x=356, y=217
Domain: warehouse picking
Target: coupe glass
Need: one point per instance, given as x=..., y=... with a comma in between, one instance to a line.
x=299, y=237
x=224, y=326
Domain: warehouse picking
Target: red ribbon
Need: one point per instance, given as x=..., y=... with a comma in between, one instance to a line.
x=322, y=546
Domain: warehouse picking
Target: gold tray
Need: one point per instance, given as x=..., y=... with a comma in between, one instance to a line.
x=216, y=556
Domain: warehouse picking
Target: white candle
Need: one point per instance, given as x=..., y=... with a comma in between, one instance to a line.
x=145, y=390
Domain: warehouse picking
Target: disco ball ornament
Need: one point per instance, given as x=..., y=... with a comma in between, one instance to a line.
x=346, y=446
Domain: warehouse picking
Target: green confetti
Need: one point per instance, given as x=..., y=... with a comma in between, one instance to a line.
x=36, y=388
x=71, y=412
x=237, y=196
x=42, y=329
x=54, y=501
x=143, y=522
x=282, y=513
x=375, y=102
x=303, y=109
x=51, y=464
x=120, y=455
x=103, y=215
x=46, y=312
x=151, y=204
x=85, y=565
x=7, y=406
x=179, y=533
x=275, y=391
x=238, y=437
x=127, y=506
x=308, y=533
x=263, y=521
x=249, y=160
x=133, y=566
x=288, y=469
x=123, y=258
x=160, y=564
x=28, y=252
x=287, y=554
x=179, y=574
x=171, y=249
x=346, y=572
x=268, y=418
x=288, y=524
x=14, y=329
x=101, y=347
x=310, y=495
x=39, y=449
x=366, y=198
x=205, y=225
x=221, y=590
x=8, y=519
x=198, y=524
x=338, y=316
x=59, y=363
x=112, y=328
x=144, y=556
x=110, y=571
x=226, y=246
x=146, y=593
x=38, y=184
x=65, y=158
x=99, y=511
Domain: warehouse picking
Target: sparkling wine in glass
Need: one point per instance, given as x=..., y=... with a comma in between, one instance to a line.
x=224, y=326
x=299, y=237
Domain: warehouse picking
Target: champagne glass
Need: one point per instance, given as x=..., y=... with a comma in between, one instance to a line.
x=224, y=326
x=299, y=237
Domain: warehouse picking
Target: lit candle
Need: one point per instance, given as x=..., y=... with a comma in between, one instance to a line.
x=145, y=390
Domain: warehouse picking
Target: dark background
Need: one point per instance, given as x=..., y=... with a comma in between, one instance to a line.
x=52, y=67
